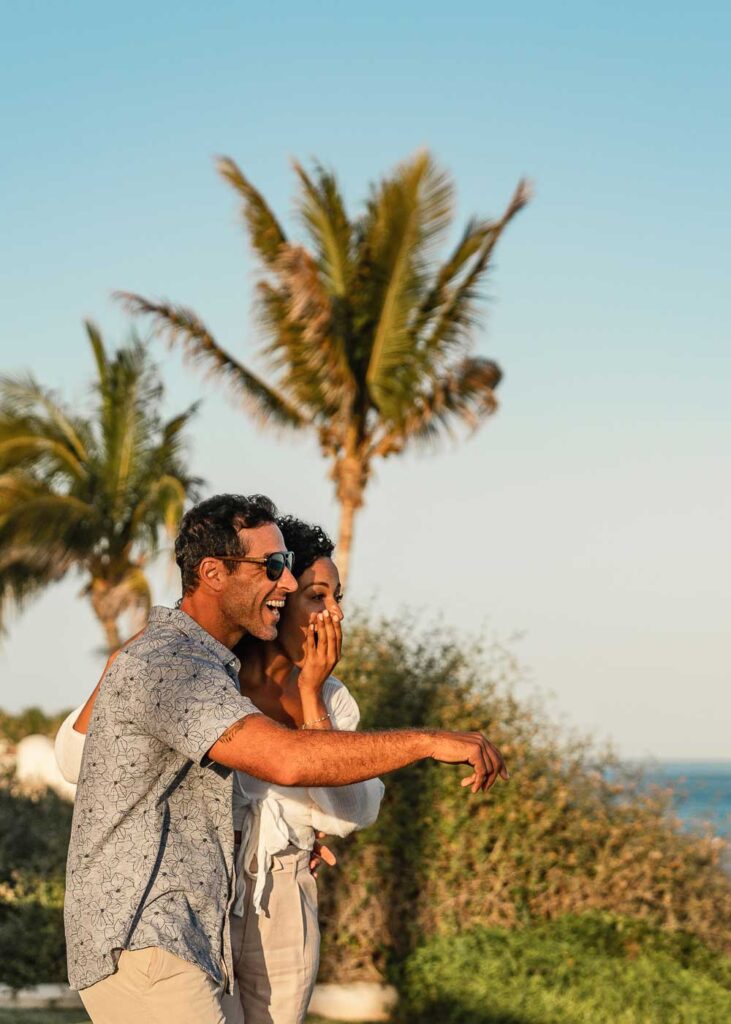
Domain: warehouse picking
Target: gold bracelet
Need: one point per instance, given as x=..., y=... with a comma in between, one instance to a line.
x=306, y=725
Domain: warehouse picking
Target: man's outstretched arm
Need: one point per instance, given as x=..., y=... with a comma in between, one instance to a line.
x=269, y=751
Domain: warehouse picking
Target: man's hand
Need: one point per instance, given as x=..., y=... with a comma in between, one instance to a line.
x=263, y=748
x=474, y=749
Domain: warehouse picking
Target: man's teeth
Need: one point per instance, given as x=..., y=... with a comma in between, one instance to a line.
x=275, y=604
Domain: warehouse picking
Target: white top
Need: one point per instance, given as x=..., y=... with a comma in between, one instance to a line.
x=271, y=817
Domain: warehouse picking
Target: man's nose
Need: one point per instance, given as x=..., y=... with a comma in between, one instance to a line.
x=288, y=582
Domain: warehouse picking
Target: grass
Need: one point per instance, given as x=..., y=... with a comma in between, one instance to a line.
x=593, y=969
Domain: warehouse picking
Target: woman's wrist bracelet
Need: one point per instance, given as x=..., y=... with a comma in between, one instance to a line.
x=316, y=721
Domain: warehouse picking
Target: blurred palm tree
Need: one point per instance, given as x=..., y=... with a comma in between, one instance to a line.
x=91, y=494
x=368, y=337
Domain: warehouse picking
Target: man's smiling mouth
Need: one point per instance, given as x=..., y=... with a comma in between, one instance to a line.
x=275, y=607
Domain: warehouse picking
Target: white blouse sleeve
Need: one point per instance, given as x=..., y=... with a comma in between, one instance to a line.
x=340, y=810
x=69, y=747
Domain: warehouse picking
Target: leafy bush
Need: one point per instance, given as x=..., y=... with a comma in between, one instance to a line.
x=570, y=833
x=34, y=836
x=596, y=968
x=32, y=721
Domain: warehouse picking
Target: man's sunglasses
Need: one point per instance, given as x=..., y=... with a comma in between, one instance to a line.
x=275, y=563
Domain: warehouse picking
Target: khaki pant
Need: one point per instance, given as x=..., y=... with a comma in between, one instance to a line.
x=276, y=956
x=152, y=986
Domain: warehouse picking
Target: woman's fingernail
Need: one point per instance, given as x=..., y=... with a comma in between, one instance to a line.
x=326, y=613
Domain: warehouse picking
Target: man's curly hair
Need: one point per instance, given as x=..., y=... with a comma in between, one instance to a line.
x=307, y=541
x=211, y=528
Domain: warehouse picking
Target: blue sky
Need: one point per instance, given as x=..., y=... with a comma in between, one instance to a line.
x=593, y=510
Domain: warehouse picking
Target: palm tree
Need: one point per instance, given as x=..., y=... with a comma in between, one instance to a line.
x=368, y=338
x=91, y=494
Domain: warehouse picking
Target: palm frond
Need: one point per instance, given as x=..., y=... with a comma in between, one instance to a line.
x=458, y=314
x=42, y=535
x=305, y=348
x=289, y=357
x=473, y=238
x=164, y=502
x=322, y=210
x=180, y=326
x=24, y=399
x=464, y=396
x=265, y=231
x=407, y=215
x=20, y=581
x=137, y=587
x=97, y=347
x=22, y=445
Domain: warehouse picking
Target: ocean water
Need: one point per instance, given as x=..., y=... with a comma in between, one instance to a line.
x=701, y=791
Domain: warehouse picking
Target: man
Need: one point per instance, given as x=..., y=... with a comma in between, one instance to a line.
x=150, y=867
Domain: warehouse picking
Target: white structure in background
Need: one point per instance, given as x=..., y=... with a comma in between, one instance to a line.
x=36, y=768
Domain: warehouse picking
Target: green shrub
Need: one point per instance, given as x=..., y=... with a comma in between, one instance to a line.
x=34, y=835
x=32, y=946
x=32, y=721
x=594, y=969
x=564, y=836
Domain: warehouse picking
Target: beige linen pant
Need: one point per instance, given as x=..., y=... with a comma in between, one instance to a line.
x=277, y=954
x=152, y=986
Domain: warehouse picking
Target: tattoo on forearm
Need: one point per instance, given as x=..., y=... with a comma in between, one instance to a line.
x=231, y=732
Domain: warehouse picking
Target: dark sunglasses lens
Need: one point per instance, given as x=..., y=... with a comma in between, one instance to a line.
x=276, y=564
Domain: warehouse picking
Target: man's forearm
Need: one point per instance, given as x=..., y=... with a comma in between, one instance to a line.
x=262, y=748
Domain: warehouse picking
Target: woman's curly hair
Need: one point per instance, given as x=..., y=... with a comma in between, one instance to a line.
x=307, y=541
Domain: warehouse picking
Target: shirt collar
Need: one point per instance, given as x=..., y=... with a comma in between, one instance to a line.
x=162, y=616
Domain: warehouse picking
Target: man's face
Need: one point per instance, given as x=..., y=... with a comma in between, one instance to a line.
x=250, y=599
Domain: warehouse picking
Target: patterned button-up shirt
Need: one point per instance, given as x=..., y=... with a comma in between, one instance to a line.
x=151, y=854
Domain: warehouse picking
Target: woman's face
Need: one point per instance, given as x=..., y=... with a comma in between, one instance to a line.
x=319, y=589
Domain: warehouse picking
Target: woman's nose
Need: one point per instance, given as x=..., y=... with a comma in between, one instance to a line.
x=335, y=610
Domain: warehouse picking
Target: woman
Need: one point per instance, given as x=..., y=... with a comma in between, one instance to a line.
x=274, y=926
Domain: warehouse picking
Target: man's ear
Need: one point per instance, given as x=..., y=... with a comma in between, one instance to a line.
x=211, y=573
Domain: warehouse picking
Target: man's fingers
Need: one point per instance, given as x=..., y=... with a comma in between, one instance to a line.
x=496, y=759
x=492, y=763
x=482, y=769
x=502, y=768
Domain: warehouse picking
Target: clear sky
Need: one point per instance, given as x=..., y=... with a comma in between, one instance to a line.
x=592, y=514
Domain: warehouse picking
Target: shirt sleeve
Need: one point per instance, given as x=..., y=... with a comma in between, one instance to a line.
x=340, y=810
x=69, y=747
x=187, y=702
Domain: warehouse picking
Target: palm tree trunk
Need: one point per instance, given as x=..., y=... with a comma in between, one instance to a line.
x=350, y=474
x=111, y=631
x=107, y=600
x=345, y=538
